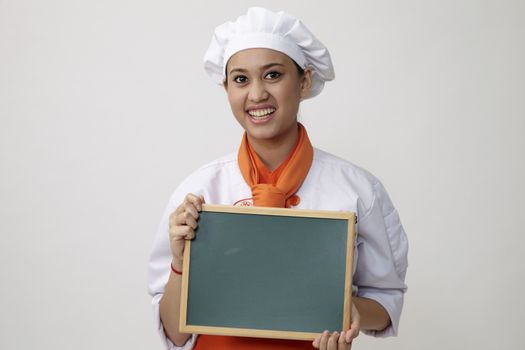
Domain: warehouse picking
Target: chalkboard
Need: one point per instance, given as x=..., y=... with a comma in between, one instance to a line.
x=268, y=272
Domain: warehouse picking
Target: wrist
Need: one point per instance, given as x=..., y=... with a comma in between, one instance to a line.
x=176, y=264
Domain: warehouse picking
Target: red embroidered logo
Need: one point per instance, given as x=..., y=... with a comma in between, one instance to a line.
x=246, y=202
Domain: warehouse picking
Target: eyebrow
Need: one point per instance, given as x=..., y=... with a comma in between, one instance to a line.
x=266, y=66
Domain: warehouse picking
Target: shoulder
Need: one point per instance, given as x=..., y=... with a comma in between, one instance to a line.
x=211, y=169
x=219, y=173
x=220, y=164
x=341, y=176
x=335, y=163
x=370, y=189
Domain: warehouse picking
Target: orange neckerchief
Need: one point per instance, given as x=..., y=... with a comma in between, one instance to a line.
x=281, y=193
x=265, y=175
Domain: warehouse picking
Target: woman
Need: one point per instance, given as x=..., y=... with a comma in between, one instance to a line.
x=268, y=62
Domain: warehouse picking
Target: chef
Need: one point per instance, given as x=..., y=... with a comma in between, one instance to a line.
x=268, y=63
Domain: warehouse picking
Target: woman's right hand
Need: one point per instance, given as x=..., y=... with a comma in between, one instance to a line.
x=183, y=222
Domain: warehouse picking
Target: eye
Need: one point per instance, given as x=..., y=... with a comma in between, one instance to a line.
x=272, y=75
x=240, y=79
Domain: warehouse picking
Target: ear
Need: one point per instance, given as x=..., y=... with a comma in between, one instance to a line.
x=306, y=83
x=225, y=85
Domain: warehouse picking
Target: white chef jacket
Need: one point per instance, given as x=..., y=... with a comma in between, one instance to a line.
x=331, y=184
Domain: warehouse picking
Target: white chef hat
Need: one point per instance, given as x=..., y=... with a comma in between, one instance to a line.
x=261, y=28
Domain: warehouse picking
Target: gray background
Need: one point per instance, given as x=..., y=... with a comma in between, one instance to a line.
x=105, y=107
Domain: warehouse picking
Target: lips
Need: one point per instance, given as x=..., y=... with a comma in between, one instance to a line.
x=261, y=114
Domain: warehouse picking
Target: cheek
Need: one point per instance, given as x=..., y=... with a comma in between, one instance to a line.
x=236, y=105
x=290, y=97
x=234, y=100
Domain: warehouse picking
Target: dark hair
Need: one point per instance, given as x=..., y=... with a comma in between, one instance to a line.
x=299, y=69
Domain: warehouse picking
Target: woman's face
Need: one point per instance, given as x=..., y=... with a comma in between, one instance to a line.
x=264, y=90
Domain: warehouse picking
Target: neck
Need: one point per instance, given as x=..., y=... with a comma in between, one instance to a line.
x=275, y=151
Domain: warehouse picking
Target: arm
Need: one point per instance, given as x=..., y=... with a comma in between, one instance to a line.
x=381, y=263
x=373, y=315
x=170, y=307
x=182, y=225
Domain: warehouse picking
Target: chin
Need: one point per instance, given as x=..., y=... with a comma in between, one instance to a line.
x=261, y=134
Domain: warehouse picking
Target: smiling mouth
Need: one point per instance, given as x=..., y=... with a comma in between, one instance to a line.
x=261, y=113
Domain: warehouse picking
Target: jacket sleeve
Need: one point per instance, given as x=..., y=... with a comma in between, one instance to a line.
x=159, y=269
x=382, y=249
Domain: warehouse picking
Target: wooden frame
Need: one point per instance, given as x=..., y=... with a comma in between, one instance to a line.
x=263, y=333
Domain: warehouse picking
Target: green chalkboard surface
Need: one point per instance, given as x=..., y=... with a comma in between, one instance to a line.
x=268, y=272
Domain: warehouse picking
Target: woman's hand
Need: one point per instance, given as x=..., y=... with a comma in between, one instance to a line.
x=183, y=222
x=340, y=341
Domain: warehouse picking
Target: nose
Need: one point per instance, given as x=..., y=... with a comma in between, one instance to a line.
x=257, y=92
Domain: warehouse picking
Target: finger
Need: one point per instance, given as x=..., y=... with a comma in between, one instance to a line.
x=190, y=220
x=351, y=334
x=189, y=208
x=341, y=343
x=179, y=219
x=324, y=340
x=188, y=201
x=355, y=327
x=175, y=217
x=317, y=341
x=191, y=204
x=348, y=336
x=177, y=212
x=196, y=201
x=190, y=233
x=181, y=233
x=332, y=341
x=188, y=217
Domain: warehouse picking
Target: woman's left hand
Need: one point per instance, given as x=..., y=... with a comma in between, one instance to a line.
x=340, y=341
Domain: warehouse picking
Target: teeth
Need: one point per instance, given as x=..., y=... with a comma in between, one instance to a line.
x=261, y=112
